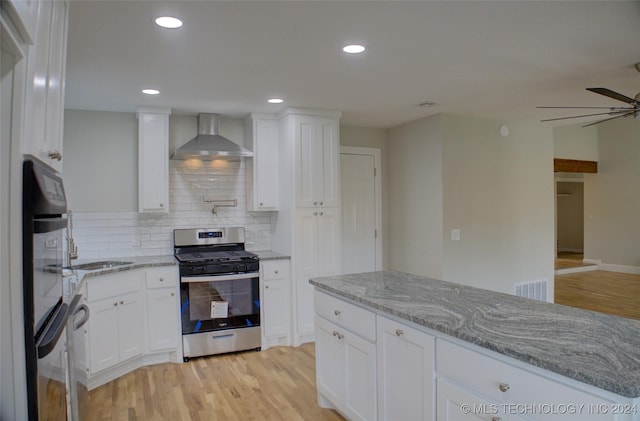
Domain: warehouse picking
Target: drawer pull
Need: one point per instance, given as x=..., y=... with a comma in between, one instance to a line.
x=115, y=304
x=336, y=312
x=496, y=418
x=121, y=302
x=275, y=271
x=503, y=387
x=399, y=332
x=173, y=294
x=266, y=287
x=161, y=279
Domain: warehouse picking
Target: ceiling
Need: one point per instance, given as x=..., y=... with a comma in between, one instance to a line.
x=490, y=59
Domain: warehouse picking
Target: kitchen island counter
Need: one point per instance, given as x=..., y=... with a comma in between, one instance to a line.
x=594, y=348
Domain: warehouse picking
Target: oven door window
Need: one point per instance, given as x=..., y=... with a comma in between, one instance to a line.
x=209, y=304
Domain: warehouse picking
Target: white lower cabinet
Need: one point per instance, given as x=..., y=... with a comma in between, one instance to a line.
x=346, y=361
x=116, y=325
x=457, y=404
x=275, y=303
x=162, y=309
x=406, y=359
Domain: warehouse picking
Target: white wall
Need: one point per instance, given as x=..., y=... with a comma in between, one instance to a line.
x=415, y=198
x=612, y=197
x=576, y=142
x=451, y=172
x=374, y=138
x=499, y=192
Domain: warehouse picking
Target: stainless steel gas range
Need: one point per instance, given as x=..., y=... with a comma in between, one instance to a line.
x=219, y=291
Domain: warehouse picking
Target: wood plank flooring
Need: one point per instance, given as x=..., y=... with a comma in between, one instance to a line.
x=607, y=292
x=276, y=384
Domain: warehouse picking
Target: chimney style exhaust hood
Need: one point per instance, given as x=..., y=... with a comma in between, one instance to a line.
x=209, y=145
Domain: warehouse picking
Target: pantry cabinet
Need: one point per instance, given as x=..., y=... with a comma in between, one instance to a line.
x=153, y=160
x=262, y=170
x=162, y=304
x=44, y=95
x=317, y=158
x=276, y=303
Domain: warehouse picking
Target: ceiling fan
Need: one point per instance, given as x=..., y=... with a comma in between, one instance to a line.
x=616, y=112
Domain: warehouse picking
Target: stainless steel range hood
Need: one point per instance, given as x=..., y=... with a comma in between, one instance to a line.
x=209, y=145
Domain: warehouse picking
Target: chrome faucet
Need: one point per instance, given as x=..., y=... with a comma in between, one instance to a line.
x=72, y=249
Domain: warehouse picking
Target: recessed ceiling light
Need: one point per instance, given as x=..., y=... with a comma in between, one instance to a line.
x=353, y=48
x=168, y=22
x=150, y=91
x=275, y=101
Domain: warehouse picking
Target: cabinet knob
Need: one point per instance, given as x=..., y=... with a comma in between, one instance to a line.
x=503, y=387
x=55, y=155
x=315, y=203
x=338, y=335
x=337, y=312
x=161, y=279
x=266, y=287
x=321, y=213
x=275, y=271
x=173, y=294
x=162, y=205
x=399, y=332
x=121, y=302
x=115, y=304
x=261, y=204
x=315, y=213
x=321, y=203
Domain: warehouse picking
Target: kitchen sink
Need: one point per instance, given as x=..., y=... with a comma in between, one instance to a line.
x=105, y=264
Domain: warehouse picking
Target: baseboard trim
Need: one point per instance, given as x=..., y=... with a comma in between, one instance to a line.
x=567, y=271
x=633, y=270
x=569, y=250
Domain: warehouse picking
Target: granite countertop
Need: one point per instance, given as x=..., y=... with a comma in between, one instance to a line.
x=270, y=255
x=594, y=348
x=136, y=263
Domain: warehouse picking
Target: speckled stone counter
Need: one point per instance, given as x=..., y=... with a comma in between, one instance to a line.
x=136, y=263
x=591, y=347
x=270, y=255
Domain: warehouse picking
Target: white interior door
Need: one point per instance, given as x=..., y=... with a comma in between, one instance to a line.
x=359, y=208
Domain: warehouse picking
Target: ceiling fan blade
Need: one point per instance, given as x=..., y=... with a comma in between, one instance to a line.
x=595, y=108
x=590, y=115
x=612, y=94
x=607, y=119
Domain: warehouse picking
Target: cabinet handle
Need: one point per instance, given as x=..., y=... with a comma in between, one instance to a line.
x=315, y=213
x=275, y=271
x=161, y=279
x=115, y=304
x=162, y=205
x=496, y=418
x=55, y=155
x=337, y=312
x=266, y=287
x=338, y=335
x=315, y=203
x=121, y=302
x=321, y=213
x=399, y=332
x=261, y=204
x=321, y=203
x=503, y=387
x=173, y=294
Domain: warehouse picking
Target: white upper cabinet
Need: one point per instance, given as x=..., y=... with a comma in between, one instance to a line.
x=24, y=14
x=262, y=177
x=317, y=161
x=153, y=160
x=46, y=58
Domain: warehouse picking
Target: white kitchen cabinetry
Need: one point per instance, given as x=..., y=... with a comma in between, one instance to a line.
x=116, y=325
x=163, y=330
x=406, y=359
x=153, y=160
x=24, y=14
x=276, y=303
x=262, y=171
x=345, y=361
x=514, y=391
x=318, y=254
x=44, y=98
x=317, y=161
x=456, y=404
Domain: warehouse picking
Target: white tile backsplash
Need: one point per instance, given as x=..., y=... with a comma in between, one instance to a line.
x=127, y=233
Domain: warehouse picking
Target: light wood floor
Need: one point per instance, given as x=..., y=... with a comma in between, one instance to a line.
x=607, y=292
x=276, y=384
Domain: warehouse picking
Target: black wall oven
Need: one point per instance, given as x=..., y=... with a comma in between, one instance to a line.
x=47, y=308
x=219, y=291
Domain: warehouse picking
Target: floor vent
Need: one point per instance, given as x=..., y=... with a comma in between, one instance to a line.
x=536, y=290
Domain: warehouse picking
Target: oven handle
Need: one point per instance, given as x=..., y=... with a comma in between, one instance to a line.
x=217, y=278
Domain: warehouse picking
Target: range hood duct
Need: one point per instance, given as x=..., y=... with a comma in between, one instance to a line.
x=209, y=145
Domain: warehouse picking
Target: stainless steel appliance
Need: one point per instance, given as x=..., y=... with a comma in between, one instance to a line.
x=219, y=291
x=48, y=302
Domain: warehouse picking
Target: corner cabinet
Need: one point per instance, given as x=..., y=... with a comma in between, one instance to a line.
x=46, y=65
x=262, y=170
x=153, y=160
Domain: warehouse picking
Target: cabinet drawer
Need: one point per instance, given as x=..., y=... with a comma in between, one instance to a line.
x=349, y=316
x=507, y=384
x=275, y=269
x=113, y=284
x=161, y=277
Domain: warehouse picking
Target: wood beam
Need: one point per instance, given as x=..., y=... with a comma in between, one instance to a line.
x=575, y=165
